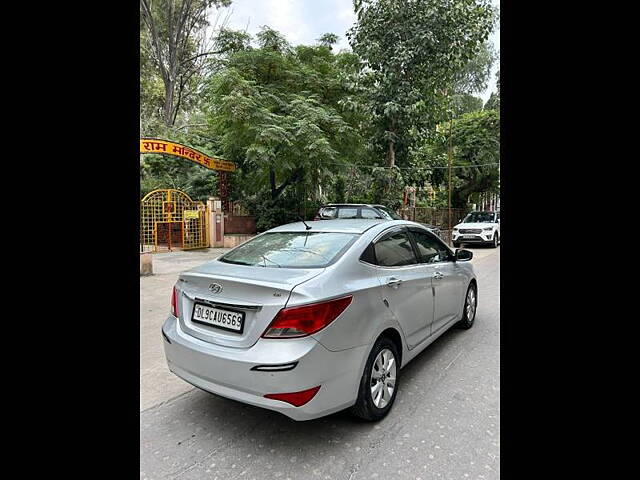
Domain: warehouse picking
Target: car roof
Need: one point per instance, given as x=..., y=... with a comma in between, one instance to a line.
x=350, y=205
x=356, y=225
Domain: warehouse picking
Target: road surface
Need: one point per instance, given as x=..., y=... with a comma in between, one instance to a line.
x=445, y=423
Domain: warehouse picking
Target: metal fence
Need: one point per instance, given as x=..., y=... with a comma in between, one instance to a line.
x=445, y=235
x=438, y=217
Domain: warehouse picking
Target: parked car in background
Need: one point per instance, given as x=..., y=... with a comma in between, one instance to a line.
x=310, y=318
x=333, y=211
x=478, y=227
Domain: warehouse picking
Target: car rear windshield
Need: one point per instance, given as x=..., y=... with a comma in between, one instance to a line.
x=291, y=249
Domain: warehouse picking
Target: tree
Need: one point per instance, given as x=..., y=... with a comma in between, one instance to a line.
x=476, y=141
x=411, y=51
x=283, y=114
x=328, y=40
x=494, y=100
x=464, y=103
x=174, y=41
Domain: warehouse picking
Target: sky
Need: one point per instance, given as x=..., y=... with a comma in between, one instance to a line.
x=304, y=21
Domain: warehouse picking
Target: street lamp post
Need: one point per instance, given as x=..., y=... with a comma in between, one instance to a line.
x=449, y=152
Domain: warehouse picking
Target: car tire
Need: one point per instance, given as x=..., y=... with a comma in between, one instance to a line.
x=368, y=406
x=496, y=240
x=469, y=314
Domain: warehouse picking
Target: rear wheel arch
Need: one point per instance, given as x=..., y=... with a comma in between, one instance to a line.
x=393, y=335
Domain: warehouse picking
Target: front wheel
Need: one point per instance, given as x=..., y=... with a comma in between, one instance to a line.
x=470, y=307
x=378, y=385
x=496, y=240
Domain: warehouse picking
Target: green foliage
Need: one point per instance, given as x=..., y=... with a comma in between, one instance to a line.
x=494, y=100
x=306, y=125
x=285, y=209
x=278, y=113
x=476, y=140
x=414, y=51
x=473, y=77
x=328, y=40
x=387, y=183
x=465, y=103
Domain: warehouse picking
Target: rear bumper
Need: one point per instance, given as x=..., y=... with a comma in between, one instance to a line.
x=227, y=372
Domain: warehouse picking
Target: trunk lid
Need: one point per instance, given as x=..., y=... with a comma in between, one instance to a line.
x=257, y=291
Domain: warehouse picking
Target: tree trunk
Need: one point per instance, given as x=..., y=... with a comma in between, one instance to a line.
x=391, y=153
x=272, y=182
x=168, y=103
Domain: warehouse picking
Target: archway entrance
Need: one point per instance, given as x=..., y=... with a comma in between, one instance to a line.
x=170, y=220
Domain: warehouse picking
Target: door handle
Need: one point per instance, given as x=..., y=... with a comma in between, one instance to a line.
x=438, y=275
x=394, y=282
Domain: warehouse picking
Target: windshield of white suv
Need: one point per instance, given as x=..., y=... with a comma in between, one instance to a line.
x=479, y=217
x=291, y=250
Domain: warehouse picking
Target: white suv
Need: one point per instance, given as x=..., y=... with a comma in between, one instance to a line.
x=478, y=227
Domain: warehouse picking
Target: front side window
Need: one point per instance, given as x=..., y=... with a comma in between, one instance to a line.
x=394, y=250
x=291, y=250
x=430, y=250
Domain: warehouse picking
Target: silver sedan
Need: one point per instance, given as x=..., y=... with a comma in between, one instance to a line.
x=308, y=319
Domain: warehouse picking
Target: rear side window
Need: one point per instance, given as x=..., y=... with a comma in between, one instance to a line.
x=389, y=213
x=369, y=213
x=291, y=250
x=348, y=213
x=328, y=212
x=394, y=250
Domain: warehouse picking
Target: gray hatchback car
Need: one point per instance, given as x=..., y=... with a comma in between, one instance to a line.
x=308, y=319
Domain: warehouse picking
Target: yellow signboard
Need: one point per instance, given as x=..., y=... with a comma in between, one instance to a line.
x=156, y=145
x=190, y=214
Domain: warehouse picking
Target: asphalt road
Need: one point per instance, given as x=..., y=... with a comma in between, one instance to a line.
x=445, y=423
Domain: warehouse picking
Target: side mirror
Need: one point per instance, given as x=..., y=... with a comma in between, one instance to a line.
x=463, y=255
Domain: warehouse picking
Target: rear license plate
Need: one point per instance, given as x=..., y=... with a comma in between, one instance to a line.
x=218, y=317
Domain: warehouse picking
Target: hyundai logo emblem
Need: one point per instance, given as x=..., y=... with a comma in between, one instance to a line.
x=215, y=288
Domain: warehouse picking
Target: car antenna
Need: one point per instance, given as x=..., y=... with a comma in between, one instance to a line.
x=305, y=223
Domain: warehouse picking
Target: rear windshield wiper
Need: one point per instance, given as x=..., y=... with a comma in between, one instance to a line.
x=235, y=262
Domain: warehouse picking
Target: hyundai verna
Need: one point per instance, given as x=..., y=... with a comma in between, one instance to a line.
x=309, y=319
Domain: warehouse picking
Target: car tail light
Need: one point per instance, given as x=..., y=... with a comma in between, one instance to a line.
x=174, y=303
x=297, y=399
x=306, y=319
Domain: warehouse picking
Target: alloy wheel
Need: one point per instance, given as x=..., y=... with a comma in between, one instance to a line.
x=471, y=304
x=383, y=378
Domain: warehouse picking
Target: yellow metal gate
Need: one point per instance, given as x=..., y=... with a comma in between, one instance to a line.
x=169, y=219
